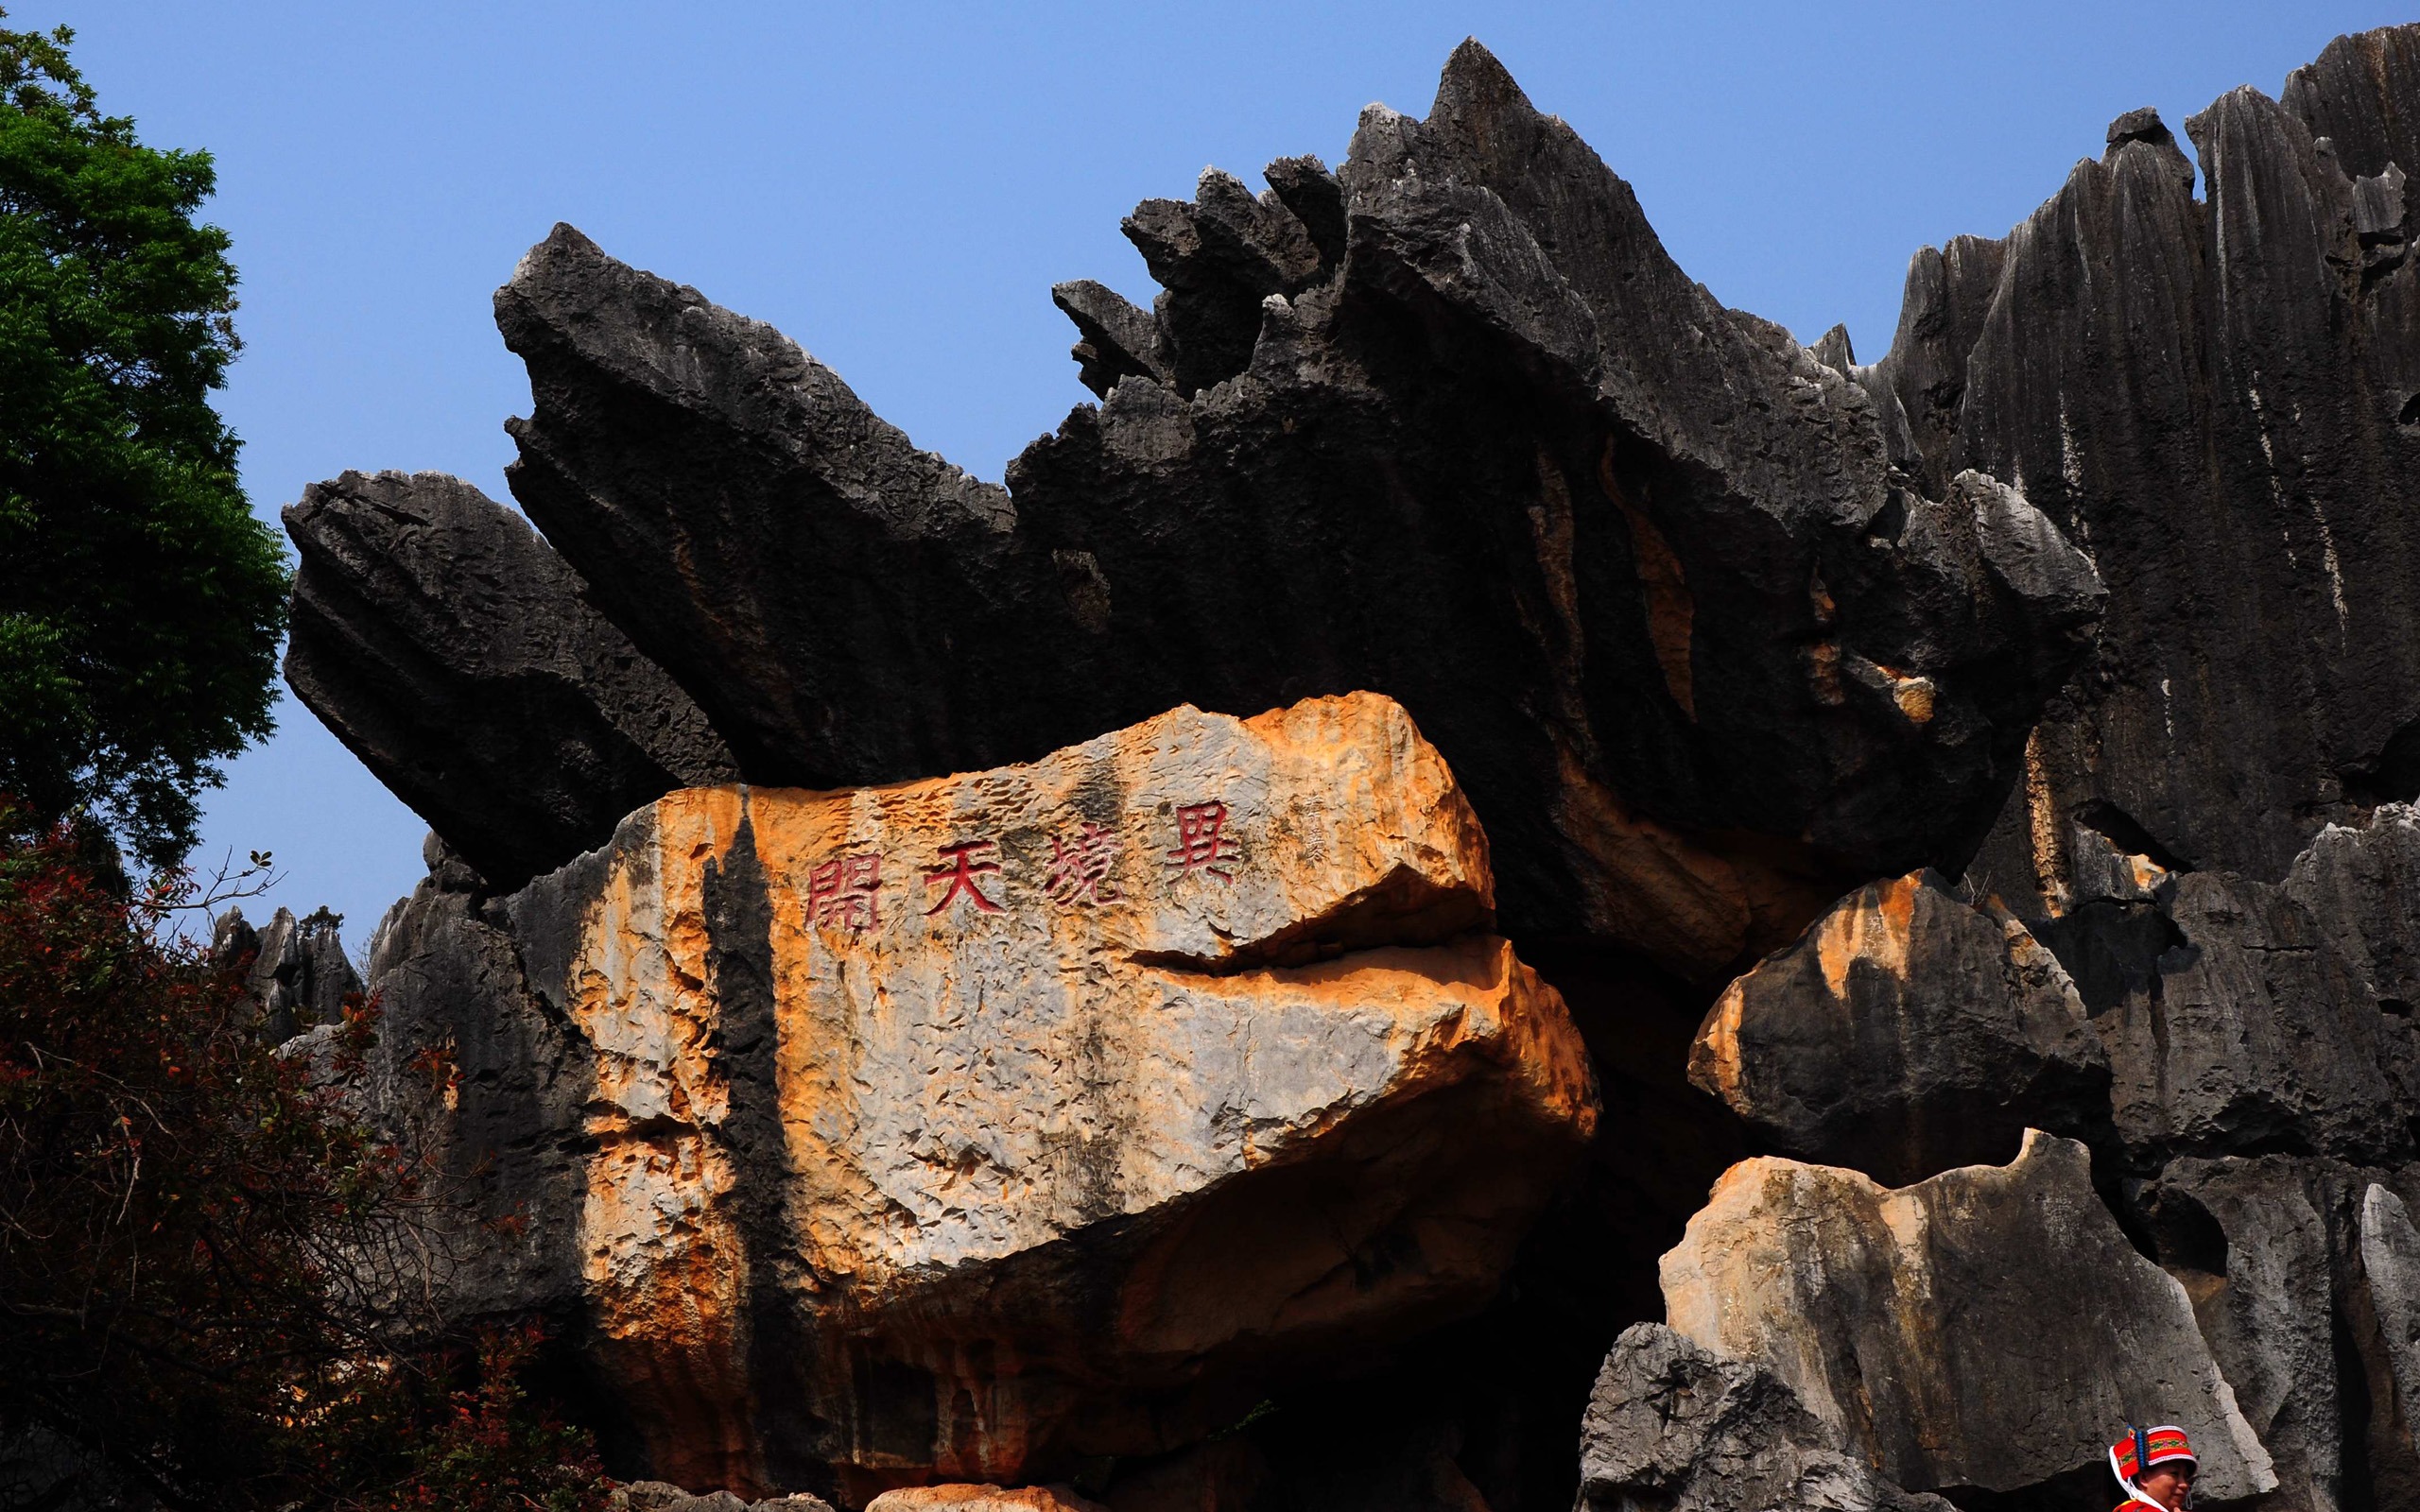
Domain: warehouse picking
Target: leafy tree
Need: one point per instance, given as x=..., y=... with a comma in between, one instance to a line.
x=139, y=601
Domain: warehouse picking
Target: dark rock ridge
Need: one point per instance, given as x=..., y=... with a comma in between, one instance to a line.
x=1759, y=666
x=498, y=1122
x=2214, y=398
x=1418, y=427
x=450, y=649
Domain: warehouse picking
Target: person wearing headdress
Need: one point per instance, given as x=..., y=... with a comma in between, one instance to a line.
x=2154, y=1468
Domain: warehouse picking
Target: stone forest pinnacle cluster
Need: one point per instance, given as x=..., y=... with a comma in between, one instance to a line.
x=1488, y=883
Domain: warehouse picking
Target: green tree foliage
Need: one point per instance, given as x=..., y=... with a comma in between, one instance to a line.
x=205, y=1261
x=139, y=601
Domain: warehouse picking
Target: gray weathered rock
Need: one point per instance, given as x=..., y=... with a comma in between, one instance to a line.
x=1905, y=1033
x=2215, y=399
x=1979, y=1330
x=2262, y=1247
x=2357, y=94
x=2362, y=888
x=2249, y=1033
x=1118, y=340
x=2390, y=1270
x=450, y=649
x=480, y=1076
x=1673, y=1427
x=835, y=600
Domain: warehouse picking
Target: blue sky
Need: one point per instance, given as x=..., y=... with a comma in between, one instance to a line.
x=897, y=186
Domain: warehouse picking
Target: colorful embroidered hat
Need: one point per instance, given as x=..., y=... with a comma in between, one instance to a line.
x=2147, y=1449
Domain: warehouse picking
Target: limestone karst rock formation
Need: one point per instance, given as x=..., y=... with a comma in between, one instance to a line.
x=2391, y=1272
x=294, y=970
x=1910, y=1031
x=1700, y=660
x=449, y=649
x=2215, y=396
x=966, y=1127
x=1775, y=682
x=1979, y=1330
x=2272, y=1250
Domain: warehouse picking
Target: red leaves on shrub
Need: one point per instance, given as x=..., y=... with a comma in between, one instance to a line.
x=195, y=1237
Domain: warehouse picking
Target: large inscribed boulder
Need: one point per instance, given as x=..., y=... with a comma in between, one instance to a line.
x=957, y=1128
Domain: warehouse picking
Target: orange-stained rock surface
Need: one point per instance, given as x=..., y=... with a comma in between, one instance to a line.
x=956, y=1129
x=1979, y=1330
x=1904, y=1032
x=962, y=1498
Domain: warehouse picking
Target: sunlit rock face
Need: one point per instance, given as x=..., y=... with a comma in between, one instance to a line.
x=962, y=1129
x=1979, y=1329
x=957, y=1128
x=964, y=1498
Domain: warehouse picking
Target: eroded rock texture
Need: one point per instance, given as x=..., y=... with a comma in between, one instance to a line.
x=2273, y=1249
x=966, y=1127
x=1979, y=1330
x=2161, y=1014
x=1416, y=426
x=485, y=1081
x=2391, y=1275
x=450, y=649
x=2260, y=1048
x=1673, y=1427
x=978, y=1128
x=2215, y=396
x=2250, y=1036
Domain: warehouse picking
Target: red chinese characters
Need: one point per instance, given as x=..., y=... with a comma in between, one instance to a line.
x=959, y=876
x=1080, y=869
x=1202, y=841
x=840, y=892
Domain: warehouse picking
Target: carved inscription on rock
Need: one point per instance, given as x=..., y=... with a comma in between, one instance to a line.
x=1144, y=1066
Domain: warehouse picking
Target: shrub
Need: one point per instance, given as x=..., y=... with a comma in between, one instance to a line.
x=192, y=1289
